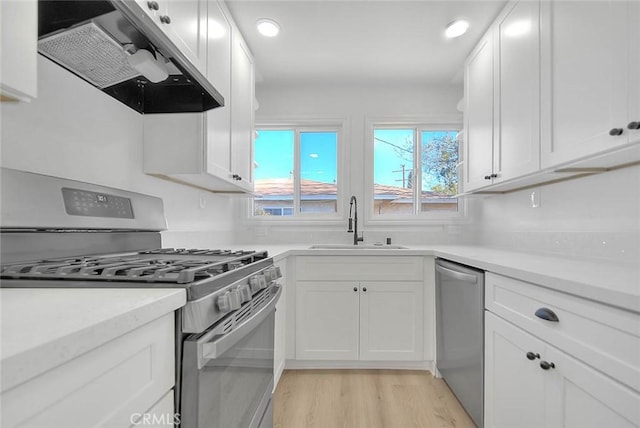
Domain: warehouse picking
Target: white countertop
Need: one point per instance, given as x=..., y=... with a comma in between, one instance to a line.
x=616, y=284
x=43, y=328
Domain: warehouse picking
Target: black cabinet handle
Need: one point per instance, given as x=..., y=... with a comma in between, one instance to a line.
x=487, y=177
x=616, y=131
x=165, y=19
x=546, y=366
x=236, y=177
x=547, y=315
x=532, y=356
x=633, y=125
x=153, y=5
x=494, y=175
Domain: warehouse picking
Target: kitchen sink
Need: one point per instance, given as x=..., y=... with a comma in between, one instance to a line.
x=356, y=247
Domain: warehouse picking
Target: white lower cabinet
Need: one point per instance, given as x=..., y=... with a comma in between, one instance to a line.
x=557, y=360
x=367, y=321
x=530, y=383
x=122, y=383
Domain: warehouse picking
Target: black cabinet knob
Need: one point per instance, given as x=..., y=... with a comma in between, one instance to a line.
x=544, y=365
x=532, y=356
x=153, y=5
x=633, y=125
x=616, y=131
x=494, y=175
x=165, y=19
x=355, y=288
x=236, y=177
x=364, y=289
x=487, y=177
x=547, y=315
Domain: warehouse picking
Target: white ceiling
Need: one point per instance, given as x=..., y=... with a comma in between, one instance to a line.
x=361, y=41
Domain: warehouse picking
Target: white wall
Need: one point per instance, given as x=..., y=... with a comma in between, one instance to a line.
x=596, y=217
x=354, y=104
x=72, y=130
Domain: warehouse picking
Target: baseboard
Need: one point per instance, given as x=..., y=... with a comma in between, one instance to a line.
x=393, y=365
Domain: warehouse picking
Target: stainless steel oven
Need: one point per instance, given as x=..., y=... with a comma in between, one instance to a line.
x=228, y=373
x=64, y=234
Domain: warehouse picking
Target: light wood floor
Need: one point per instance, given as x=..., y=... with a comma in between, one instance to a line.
x=365, y=399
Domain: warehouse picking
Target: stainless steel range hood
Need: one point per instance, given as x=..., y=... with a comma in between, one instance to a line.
x=94, y=39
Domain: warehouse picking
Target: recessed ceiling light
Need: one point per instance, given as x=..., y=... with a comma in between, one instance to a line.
x=456, y=28
x=268, y=27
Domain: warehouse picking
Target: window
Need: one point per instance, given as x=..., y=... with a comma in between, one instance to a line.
x=415, y=171
x=296, y=172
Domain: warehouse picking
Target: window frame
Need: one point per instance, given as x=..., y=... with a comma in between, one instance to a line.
x=298, y=126
x=417, y=124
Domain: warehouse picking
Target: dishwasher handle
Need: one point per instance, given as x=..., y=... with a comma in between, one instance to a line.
x=457, y=275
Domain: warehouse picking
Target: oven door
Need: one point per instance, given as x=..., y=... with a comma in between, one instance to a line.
x=227, y=378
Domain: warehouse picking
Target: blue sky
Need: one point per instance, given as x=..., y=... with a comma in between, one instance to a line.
x=318, y=155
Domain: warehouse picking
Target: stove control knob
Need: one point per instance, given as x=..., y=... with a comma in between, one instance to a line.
x=268, y=274
x=235, y=299
x=223, y=303
x=253, y=284
x=245, y=292
x=258, y=282
x=277, y=272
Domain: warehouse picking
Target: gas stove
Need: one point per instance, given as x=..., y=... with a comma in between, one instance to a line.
x=68, y=234
x=199, y=271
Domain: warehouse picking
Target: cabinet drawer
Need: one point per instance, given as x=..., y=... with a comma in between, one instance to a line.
x=604, y=337
x=360, y=268
x=105, y=387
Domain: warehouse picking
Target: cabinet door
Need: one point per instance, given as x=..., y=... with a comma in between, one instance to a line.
x=478, y=116
x=586, y=63
x=242, y=112
x=19, y=51
x=579, y=396
x=514, y=385
x=517, y=97
x=219, y=74
x=327, y=320
x=279, y=348
x=391, y=321
x=188, y=29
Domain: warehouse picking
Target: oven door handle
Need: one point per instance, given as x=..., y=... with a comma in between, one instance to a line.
x=212, y=345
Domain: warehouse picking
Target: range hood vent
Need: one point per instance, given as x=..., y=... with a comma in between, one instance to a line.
x=94, y=40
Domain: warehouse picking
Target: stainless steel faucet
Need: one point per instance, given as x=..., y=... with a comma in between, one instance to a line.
x=353, y=221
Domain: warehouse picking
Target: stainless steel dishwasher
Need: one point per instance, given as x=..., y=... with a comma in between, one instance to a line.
x=460, y=333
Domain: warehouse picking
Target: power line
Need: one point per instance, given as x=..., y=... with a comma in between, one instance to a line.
x=393, y=145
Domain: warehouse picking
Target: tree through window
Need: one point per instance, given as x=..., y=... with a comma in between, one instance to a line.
x=415, y=170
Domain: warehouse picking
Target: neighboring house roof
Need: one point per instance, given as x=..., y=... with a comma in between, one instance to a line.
x=282, y=189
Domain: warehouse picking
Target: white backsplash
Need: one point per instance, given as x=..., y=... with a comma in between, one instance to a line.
x=72, y=130
x=595, y=217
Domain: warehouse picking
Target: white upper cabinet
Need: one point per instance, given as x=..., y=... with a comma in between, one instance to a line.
x=185, y=23
x=517, y=96
x=502, y=100
x=18, y=50
x=478, y=116
x=552, y=90
x=242, y=112
x=211, y=150
x=590, y=74
x=218, y=120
